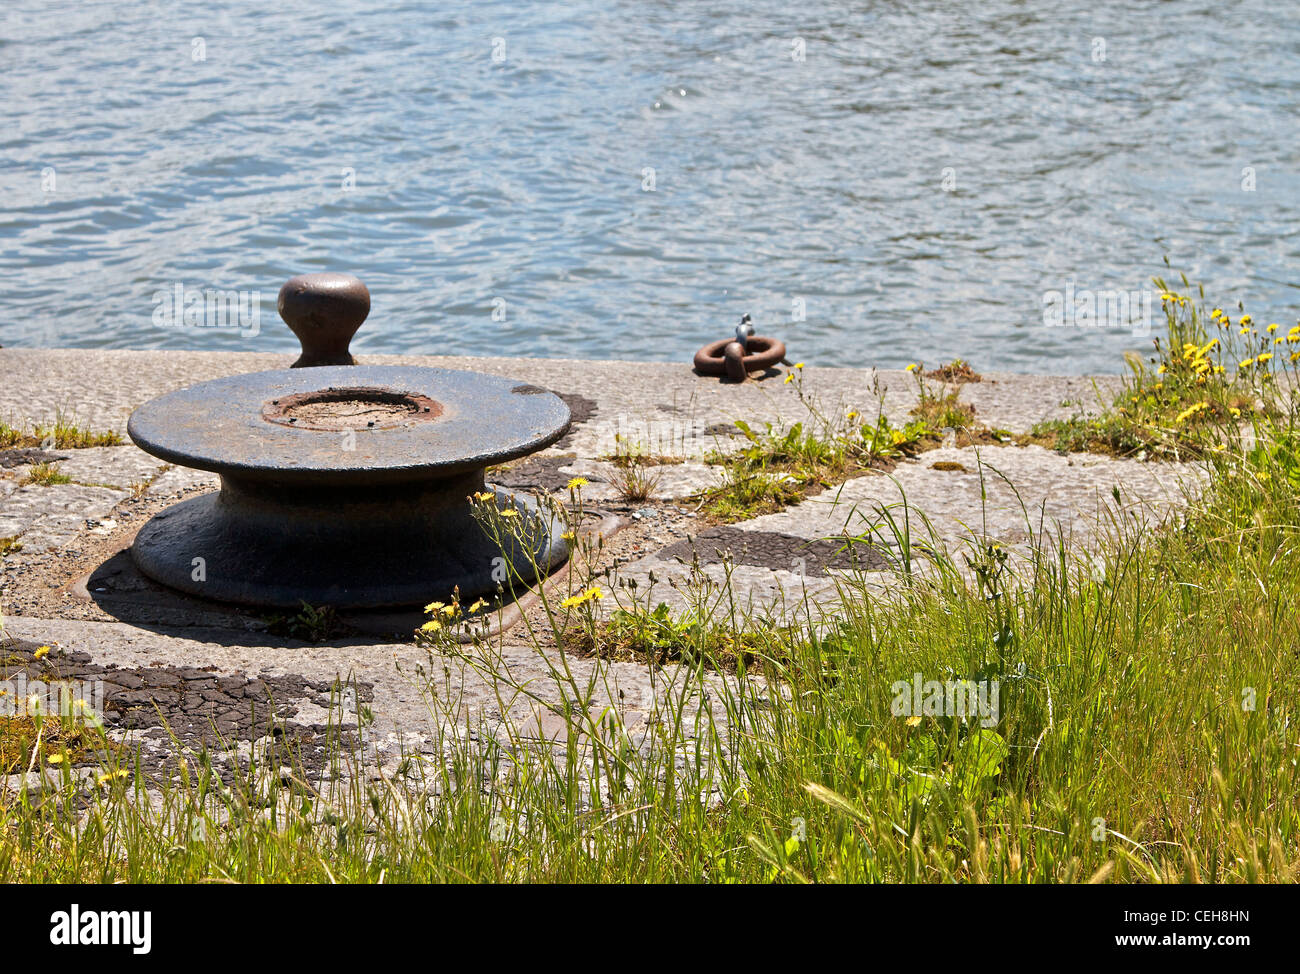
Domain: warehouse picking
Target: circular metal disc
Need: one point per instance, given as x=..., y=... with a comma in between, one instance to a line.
x=232, y=425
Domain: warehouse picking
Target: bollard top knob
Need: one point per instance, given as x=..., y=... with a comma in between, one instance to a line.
x=324, y=310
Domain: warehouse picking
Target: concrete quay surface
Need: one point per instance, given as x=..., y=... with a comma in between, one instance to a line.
x=182, y=673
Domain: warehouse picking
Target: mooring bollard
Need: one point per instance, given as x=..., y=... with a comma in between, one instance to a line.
x=356, y=486
x=324, y=311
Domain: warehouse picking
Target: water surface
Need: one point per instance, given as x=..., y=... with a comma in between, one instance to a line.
x=876, y=182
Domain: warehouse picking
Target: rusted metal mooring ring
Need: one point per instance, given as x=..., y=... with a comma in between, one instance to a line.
x=349, y=486
x=730, y=358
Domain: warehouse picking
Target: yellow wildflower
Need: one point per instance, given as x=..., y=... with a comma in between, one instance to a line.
x=789, y=377
x=54, y=759
x=41, y=653
x=485, y=496
x=510, y=512
x=1191, y=411
x=577, y=483
x=1244, y=320
x=1272, y=328
x=433, y=625
x=582, y=598
x=914, y=366
x=1264, y=357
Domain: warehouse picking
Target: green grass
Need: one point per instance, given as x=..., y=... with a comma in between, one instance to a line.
x=63, y=434
x=45, y=475
x=1147, y=727
x=780, y=465
x=1108, y=434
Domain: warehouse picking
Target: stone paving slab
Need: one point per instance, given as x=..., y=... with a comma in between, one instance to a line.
x=398, y=683
x=1005, y=494
x=45, y=517
x=114, y=466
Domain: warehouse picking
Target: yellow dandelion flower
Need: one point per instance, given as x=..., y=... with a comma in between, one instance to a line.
x=1191, y=411
x=433, y=607
x=1244, y=320
x=1264, y=357
x=54, y=759
x=484, y=496
x=583, y=597
x=510, y=512
x=1245, y=363
x=851, y=414
x=798, y=365
x=41, y=653
x=433, y=625
x=478, y=604
x=789, y=377
x=1272, y=328
x=914, y=366
x=577, y=483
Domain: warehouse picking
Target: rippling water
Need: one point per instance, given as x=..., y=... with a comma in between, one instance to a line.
x=875, y=182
